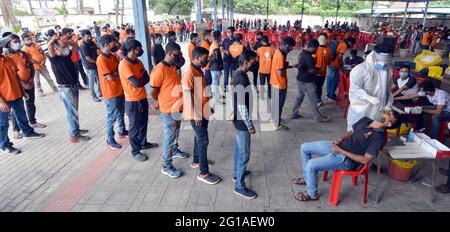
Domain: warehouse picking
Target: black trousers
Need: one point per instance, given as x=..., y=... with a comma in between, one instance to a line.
x=138, y=118
x=318, y=82
x=30, y=108
x=80, y=70
x=263, y=79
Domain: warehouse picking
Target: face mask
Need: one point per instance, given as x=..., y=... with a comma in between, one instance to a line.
x=114, y=49
x=16, y=47
x=259, y=39
x=158, y=41
x=422, y=93
x=28, y=43
x=139, y=53
x=65, y=52
x=203, y=63
x=380, y=65
x=403, y=75
x=230, y=35
x=179, y=62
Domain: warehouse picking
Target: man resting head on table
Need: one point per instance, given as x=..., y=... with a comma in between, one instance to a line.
x=357, y=147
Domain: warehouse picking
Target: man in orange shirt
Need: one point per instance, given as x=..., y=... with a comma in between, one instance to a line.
x=323, y=59
x=206, y=43
x=426, y=39
x=278, y=80
x=26, y=74
x=235, y=50
x=134, y=77
x=264, y=57
x=168, y=95
x=333, y=69
x=11, y=101
x=109, y=80
x=123, y=34
x=193, y=44
x=196, y=108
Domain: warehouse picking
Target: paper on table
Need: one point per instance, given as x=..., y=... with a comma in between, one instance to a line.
x=410, y=151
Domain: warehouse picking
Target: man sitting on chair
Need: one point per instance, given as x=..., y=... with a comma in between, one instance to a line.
x=357, y=147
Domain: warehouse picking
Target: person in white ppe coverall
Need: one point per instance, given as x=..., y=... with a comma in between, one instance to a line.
x=370, y=86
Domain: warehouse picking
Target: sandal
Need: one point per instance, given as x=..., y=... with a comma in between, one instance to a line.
x=299, y=181
x=303, y=196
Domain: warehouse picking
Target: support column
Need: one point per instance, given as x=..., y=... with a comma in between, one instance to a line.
x=141, y=28
x=215, y=16
x=371, y=13
x=406, y=12
x=425, y=14
x=303, y=9
x=198, y=12
x=267, y=9
x=223, y=10
x=337, y=10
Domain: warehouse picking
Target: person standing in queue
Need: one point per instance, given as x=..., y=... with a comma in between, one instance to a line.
x=134, y=77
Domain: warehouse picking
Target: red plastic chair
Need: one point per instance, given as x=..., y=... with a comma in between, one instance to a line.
x=442, y=131
x=336, y=181
x=343, y=91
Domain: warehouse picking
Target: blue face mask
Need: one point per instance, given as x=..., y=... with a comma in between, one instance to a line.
x=380, y=65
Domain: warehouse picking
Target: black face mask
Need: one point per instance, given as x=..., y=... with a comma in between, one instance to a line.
x=203, y=63
x=259, y=39
x=114, y=49
x=179, y=62
x=139, y=53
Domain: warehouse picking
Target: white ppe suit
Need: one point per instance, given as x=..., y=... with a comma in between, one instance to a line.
x=370, y=91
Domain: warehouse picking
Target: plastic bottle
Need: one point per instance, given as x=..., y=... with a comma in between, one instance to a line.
x=410, y=137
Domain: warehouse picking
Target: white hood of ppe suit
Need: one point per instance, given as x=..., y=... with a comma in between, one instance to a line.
x=365, y=80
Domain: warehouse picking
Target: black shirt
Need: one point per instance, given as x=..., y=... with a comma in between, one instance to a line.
x=157, y=53
x=242, y=94
x=353, y=61
x=306, y=62
x=365, y=140
x=89, y=49
x=64, y=70
x=216, y=60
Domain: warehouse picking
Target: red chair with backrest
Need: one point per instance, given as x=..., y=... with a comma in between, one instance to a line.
x=336, y=181
x=343, y=91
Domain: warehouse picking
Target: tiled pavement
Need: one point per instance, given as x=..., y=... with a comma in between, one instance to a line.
x=50, y=167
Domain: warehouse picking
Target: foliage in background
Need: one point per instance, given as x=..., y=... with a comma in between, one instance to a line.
x=60, y=10
x=20, y=12
x=175, y=7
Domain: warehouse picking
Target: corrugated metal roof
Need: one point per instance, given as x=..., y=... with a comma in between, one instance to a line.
x=431, y=10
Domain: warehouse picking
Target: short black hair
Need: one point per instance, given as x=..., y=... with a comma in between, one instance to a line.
x=238, y=37
x=350, y=40
x=193, y=36
x=428, y=86
x=354, y=52
x=216, y=35
x=265, y=39
x=206, y=32
x=85, y=32
x=247, y=55
x=115, y=35
x=50, y=33
x=66, y=31
x=289, y=41
x=130, y=45
x=231, y=28
x=170, y=34
x=260, y=33
x=25, y=35
x=172, y=46
x=157, y=35
x=129, y=31
x=107, y=39
x=199, y=51
x=57, y=26
x=405, y=66
x=324, y=34
x=312, y=44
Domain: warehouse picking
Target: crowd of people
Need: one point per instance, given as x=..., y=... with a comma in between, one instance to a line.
x=109, y=65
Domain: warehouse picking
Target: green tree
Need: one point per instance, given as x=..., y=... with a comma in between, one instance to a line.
x=181, y=7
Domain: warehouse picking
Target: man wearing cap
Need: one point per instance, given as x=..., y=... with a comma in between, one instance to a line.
x=370, y=86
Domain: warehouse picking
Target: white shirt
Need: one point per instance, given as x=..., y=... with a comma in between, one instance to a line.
x=401, y=83
x=440, y=98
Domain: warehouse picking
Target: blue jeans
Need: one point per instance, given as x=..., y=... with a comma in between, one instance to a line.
x=171, y=134
x=201, y=142
x=93, y=80
x=69, y=97
x=115, y=109
x=215, y=84
x=327, y=160
x=18, y=110
x=241, y=157
x=436, y=123
x=226, y=73
x=332, y=82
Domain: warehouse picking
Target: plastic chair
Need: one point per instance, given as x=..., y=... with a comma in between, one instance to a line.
x=343, y=91
x=336, y=181
x=442, y=130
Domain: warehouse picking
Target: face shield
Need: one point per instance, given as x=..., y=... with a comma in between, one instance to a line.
x=382, y=60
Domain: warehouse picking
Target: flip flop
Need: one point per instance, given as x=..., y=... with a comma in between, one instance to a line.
x=303, y=196
x=299, y=181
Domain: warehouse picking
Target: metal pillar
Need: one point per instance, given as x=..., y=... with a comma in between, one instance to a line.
x=198, y=12
x=267, y=9
x=406, y=12
x=223, y=10
x=372, y=11
x=231, y=10
x=337, y=10
x=425, y=14
x=215, y=16
x=141, y=27
x=303, y=9
x=229, y=22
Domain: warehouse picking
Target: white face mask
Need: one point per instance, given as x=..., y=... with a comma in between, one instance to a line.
x=16, y=47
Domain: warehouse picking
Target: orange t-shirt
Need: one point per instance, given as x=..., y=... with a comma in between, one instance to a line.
x=191, y=47
x=35, y=52
x=426, y=39
x=109, y=65
x=123, y=35
x=166, y=28
x=265, y=55
x=127, y=70
x=177, y=27
x=341, y=48
x=322, y=57
x=278, y=62
x=210, y=25
x=9, y=84
x=236, y=50
x=206, y=44
x=20, y=60
x=195, y=103
x=170, y=96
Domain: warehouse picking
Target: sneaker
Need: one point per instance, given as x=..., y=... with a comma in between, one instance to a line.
x=34, y=135
x=123, y=134
x=17, y=135
x=282, y=127
x=246, y=173
x=140, y=157
x=83, y=131
x=171, y=172
x=78, y=138
x=148, y=145
x=245, y=193
x=323, y=119
x=320, y=104
x=96, y=99
x=10, y=150
x=38, y=125
x=209, y=178
x=114, y=145
x=296, y=116
x=330, y=99
x=181, y=155
x=196, y=165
